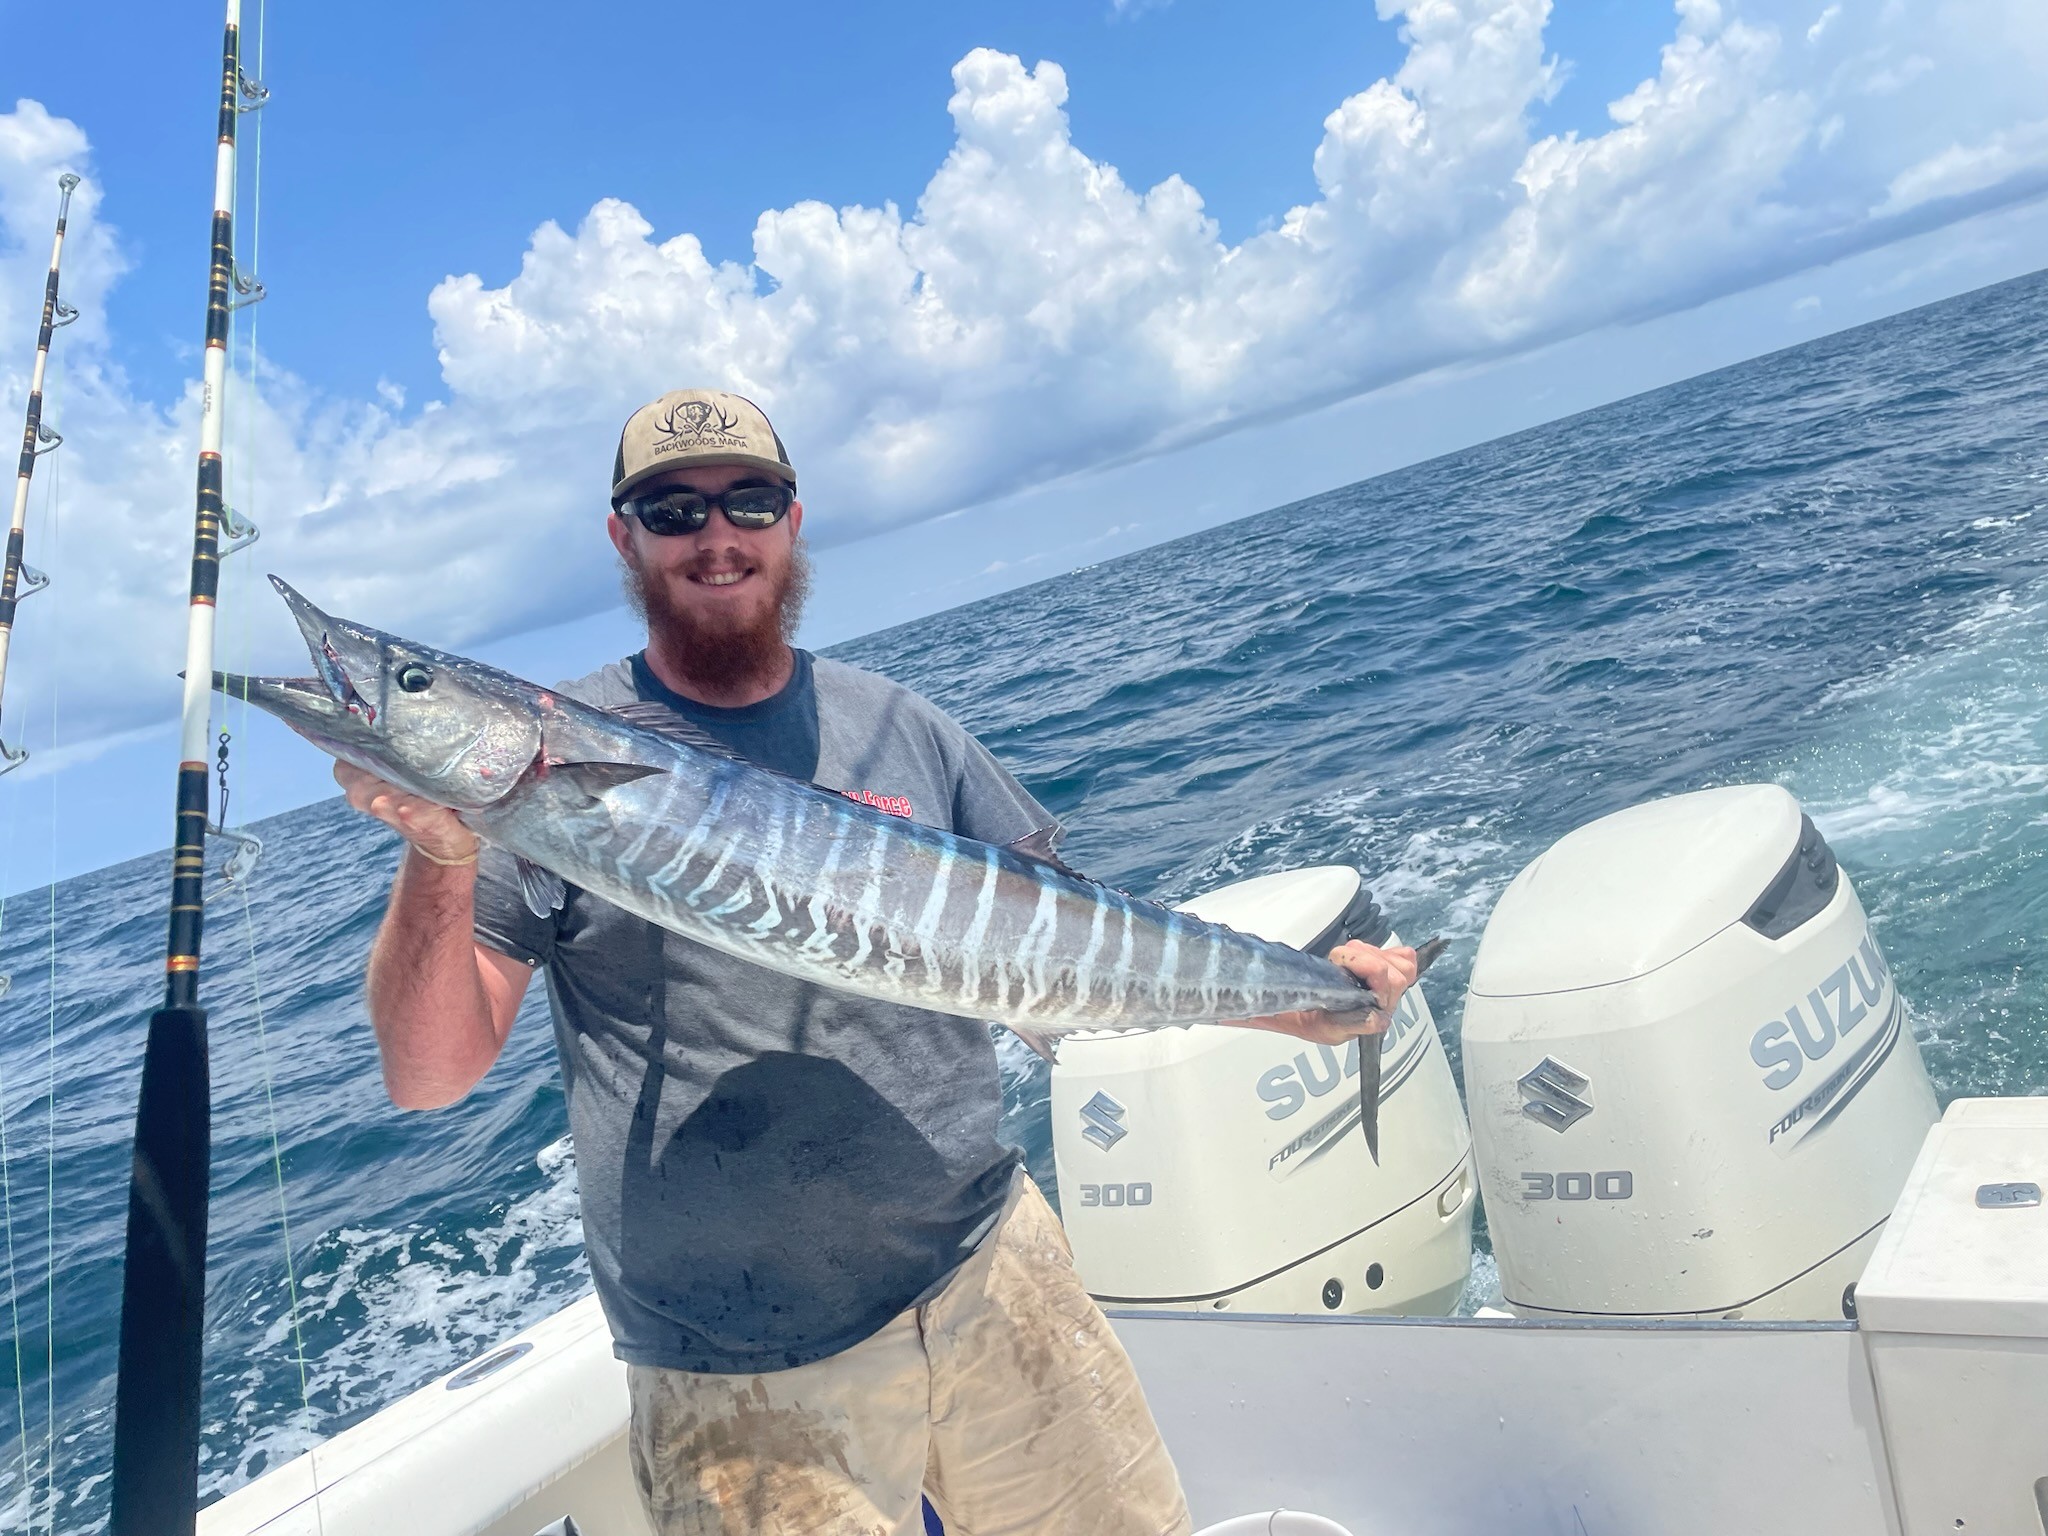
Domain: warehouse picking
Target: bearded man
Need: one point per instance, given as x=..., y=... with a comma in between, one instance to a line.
x=832, y=1286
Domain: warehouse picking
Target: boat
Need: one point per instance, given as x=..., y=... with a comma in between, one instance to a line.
x=1738, y=1291
x=1749, y=1280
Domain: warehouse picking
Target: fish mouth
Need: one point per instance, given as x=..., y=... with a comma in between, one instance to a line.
x=319, y=632
x=321, y=707
x=306, y=704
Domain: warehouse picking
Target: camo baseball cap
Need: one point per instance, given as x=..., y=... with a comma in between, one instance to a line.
x=696, y=426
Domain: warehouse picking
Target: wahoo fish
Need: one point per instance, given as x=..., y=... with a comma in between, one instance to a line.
x=637, y=806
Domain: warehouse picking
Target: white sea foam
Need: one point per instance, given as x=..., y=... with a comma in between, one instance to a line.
x=1446, y=878
x=1948, y=736
x=1482, y=1285
x=398, y=1308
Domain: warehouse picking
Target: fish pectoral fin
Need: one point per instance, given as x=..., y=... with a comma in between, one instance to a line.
x=544, y=891
x=1044, y=1044
x=596, y=778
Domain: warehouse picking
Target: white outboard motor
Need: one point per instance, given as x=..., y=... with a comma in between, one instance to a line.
x=1693, y=1088
x=1219, y=1167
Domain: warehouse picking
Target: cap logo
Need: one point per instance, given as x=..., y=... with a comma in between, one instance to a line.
x=697, y=424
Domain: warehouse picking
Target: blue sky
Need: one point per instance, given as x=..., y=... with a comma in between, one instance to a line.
x=1024, y=287
x=413, y=142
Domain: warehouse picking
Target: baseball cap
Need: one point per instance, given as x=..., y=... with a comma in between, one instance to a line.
x=696, y=426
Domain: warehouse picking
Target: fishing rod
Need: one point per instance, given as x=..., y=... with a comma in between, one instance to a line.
x=163, y=1290
x=17, y=580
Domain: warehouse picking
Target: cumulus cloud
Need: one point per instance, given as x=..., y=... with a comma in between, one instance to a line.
x=1035, y=316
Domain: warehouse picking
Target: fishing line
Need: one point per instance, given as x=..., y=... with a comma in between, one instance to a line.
x=52, y=493
x=28, y=1484
x=53, y=506
x=247, y=469
x=7, y=1205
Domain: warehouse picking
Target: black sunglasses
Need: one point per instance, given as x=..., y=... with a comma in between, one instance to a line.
x=745, y=506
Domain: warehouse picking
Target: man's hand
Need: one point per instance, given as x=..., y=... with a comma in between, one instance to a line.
x=433, y=829
x=1388, y=972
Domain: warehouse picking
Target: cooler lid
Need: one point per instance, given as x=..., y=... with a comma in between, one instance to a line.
x=1633, y=891
x=1966, y=1250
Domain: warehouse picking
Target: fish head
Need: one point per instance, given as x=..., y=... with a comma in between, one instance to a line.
x=448, y=729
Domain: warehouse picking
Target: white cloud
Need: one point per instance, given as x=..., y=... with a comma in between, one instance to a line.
x=1962, y=169
x=1033, y=316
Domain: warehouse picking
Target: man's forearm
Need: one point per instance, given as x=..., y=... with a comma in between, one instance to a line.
x=428, y=1005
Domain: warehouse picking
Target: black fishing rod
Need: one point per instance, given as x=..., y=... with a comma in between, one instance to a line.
x=17, y=580
x=163, y=1291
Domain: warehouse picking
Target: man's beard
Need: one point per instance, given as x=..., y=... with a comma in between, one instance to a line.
x=717, y=657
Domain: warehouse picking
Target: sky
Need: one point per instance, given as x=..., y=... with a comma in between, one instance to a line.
x=1022, y=287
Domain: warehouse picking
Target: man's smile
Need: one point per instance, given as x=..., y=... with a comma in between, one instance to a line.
x=721, y=578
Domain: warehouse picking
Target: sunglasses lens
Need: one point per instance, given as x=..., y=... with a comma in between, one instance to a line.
x=677, y=512
x=751, y=506
x=756, y=506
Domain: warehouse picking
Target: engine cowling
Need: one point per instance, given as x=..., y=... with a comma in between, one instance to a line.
x=1693, y=1087
x=1224, y=1168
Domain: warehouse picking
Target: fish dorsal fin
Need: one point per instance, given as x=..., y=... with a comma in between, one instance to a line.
x=648, y=715
x=663, y=721
x=1038, y=848
x=544, y=891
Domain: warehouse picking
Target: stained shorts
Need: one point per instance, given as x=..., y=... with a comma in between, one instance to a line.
x=1006, y=1399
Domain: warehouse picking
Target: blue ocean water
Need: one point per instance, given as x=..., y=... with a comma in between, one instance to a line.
x=1820, y=568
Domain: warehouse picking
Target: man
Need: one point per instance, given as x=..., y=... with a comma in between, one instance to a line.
x=832, y=1286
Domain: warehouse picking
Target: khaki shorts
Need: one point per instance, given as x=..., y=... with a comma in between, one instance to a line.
x=1005, y=1398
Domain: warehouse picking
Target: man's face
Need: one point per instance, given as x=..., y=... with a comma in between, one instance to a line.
x=723, y=579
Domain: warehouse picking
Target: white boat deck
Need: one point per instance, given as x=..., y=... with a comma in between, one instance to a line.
x=1925, y=1418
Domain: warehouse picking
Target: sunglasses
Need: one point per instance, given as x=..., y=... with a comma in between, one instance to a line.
x=745, y=506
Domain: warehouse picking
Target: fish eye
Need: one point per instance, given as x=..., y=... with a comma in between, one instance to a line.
x=415, y=678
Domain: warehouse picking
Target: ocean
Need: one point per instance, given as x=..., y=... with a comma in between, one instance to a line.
x=1820, y=568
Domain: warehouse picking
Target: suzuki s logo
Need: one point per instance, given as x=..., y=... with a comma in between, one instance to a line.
x=1553, y=1094
x=1102, y=1121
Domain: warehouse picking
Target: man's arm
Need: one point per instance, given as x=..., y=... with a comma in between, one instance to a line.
x=440, y=1003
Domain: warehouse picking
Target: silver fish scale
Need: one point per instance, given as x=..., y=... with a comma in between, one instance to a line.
x=809, y=883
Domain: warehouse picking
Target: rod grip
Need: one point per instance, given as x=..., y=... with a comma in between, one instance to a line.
x=163, y=1288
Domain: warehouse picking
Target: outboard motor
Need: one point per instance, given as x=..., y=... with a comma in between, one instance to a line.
x=1694, y=1091
x=1218, y=1167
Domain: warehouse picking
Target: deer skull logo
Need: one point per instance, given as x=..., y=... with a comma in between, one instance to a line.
x=690, y=422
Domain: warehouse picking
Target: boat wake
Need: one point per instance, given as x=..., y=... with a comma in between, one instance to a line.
x=384, y=1311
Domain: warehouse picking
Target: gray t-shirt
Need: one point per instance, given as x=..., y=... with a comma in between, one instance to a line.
x=770, y=1170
